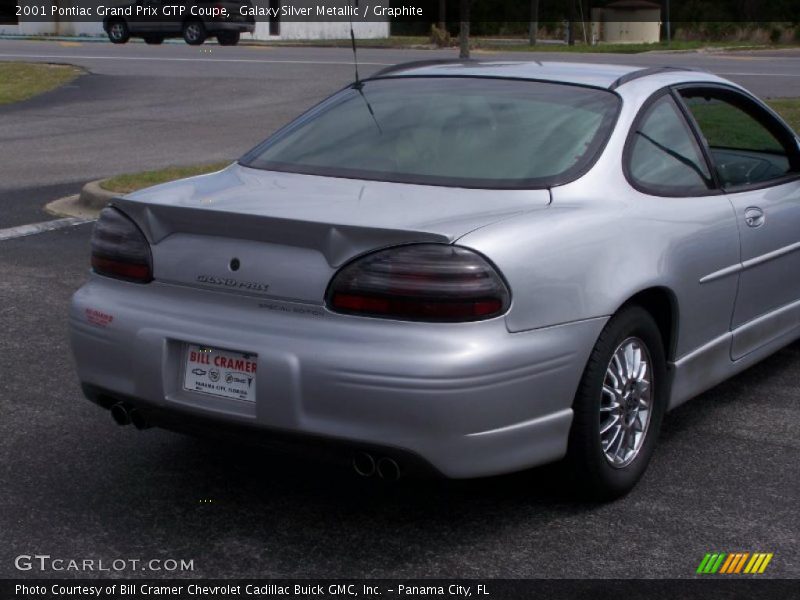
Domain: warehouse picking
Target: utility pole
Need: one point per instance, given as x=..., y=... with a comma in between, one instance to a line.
x=533, y=27
x=56, y=19
x=442, y=14
x=464, y=30
x=571, y=26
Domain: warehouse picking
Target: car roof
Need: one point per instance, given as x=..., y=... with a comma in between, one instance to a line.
x=604, y=76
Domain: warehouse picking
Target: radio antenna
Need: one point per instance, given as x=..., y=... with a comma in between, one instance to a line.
x=353, y=41
x=358, y=86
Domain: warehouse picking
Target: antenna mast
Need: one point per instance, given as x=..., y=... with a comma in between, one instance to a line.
x=358, y=86
x=353, y=41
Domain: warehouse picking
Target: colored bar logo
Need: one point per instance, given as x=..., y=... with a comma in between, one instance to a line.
x=734, y=563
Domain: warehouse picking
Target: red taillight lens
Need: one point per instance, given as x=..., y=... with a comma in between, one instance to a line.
x=420, y=282
x=119, y=248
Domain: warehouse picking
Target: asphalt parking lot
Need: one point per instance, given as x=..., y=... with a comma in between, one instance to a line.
x=74, y=485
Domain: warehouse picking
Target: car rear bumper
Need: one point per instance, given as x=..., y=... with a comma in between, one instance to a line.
x=469, y=399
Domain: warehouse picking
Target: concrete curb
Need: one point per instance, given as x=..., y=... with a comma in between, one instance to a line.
x=71, y=206
x=86, y=205
x=94, y=197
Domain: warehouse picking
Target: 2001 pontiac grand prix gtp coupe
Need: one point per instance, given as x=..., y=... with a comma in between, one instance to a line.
x=474, y=267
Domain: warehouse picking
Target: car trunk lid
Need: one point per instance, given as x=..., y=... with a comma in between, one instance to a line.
x=283, y=235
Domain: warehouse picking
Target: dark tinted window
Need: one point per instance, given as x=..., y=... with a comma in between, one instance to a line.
x=477, y=132
x=744, y=140
x=664, y=156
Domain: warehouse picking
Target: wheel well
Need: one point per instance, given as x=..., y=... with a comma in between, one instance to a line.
x=662, y=305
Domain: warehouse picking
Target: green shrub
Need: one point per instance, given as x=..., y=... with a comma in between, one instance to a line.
x=440, y=37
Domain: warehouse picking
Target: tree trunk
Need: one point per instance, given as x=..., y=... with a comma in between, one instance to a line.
x=571, y=26
x=464, y=30
x=442, y=14
x=533, y=26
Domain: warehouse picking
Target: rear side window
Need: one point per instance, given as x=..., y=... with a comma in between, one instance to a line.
x=467, y=132
x=748, y=146
x=664, y=157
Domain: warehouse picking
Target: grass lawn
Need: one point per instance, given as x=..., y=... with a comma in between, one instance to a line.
x=714, y=119
x=602, y=48
x=789, y=109
x=521, y=45
x=130, y=182
x=20, y=81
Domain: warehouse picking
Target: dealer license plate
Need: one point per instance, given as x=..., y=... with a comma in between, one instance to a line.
x=218, y=372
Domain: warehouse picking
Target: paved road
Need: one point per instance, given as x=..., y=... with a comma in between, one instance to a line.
x=74, y=485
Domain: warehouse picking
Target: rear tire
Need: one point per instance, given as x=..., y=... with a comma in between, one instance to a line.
x=154, y=39
x=624, y=392
x=228, y=38
x=118, y=31
x=194, y=32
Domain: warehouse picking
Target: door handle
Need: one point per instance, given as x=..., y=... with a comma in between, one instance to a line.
x=754, y=216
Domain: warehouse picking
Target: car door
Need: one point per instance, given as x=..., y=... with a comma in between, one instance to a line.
x=757, y=162
x=683, y=204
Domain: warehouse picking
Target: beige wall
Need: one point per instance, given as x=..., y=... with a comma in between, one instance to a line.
x=296, y=30
x=626, y=26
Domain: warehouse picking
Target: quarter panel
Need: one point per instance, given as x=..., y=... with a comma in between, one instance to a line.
x=588, y=253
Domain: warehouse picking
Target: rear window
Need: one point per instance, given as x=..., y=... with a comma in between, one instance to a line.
x=463, y=132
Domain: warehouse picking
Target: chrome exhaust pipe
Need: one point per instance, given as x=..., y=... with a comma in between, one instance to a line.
x=138, y=420
x=364, y=464
x=120, y=414
x=388, y=469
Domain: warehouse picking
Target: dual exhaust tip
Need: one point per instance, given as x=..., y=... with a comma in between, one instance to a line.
x=128, y=415
x=366, y=465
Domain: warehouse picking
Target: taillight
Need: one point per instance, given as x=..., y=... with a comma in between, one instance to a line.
x=420, y=282
x=119, y=248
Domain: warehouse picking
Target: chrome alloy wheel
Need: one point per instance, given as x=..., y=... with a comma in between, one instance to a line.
x=117, y=31
x=193, y=32
x=626, y=403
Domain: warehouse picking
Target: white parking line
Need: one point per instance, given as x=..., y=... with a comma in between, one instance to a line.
x=199, y=59
x=34, y=228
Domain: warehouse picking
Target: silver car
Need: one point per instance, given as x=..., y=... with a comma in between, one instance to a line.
x=468, y=268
